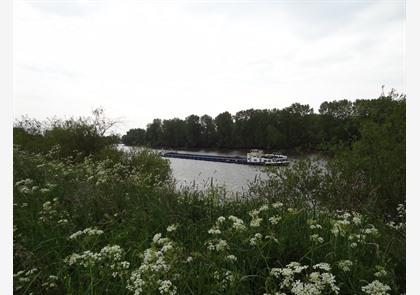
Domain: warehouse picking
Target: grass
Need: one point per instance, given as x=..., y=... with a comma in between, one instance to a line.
x=90, y=226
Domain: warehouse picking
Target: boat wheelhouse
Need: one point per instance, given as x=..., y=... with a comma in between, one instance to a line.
x=258, y=157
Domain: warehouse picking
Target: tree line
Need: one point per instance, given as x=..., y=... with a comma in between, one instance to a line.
x=293, y=127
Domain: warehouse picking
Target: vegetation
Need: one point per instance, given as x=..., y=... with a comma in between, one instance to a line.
x=100, y=221
x=81, y=137
x=294, y=127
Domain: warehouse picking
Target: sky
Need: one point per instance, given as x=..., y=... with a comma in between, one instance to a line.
x=141, y=60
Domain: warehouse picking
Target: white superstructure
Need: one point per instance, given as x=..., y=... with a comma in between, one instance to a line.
x=258, y=157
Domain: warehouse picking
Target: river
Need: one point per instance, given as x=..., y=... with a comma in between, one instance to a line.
x=203, y=174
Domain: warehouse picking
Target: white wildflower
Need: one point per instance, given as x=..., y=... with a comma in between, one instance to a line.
x=62, y=221
x=277, y=205
x=221, y=220
x=345, y=265
x=376, y=288
x=381, y=272
x=316, y=238
x=274, y=219
x=221, y=245
x=166, y=287
x=255, y=239
x=315, y=226
x=157, y=237
x=263, y=208
x=171, y=228
x=322, y=266
x=238, y=224
x=214, y=231
x=87, y=232
x=255, y=222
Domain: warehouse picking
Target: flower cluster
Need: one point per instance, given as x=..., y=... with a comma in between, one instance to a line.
x=295, y=279
x=109, y=257
x=85, y=259
x=255, y=239
x=341, y=224
x=352, y=226
x=218, y=245
x=23, y=278
x=274, y=219
x=86, y=232
x=380, y=272
x=400, y=224
x=345, y=265
x=238, y=224
x=255, y=218
x=362, y=235
x=155, y=272
x=315, y=228
x=50, y=283
x=113, y=256
x=171, y=228
x=376, y=288
x=25, y=186
x=50, y=212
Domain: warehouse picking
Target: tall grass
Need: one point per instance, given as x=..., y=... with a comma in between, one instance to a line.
x=117, y=225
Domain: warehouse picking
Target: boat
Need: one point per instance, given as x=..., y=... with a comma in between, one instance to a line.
x=259, y=157
x=255, y=157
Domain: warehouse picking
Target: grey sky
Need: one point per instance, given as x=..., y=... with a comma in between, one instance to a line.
x=162, y=59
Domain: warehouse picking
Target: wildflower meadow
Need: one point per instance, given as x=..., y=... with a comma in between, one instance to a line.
x=118, y=227
x=92, y=219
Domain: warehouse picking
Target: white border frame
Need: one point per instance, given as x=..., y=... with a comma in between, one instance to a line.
x=6, y=156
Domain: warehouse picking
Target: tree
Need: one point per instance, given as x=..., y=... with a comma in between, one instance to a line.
x=193, y=130
x=208, y=131
x=338, y=124
x=377, y=158
x=154, y=133
x=341, y=109
x=174, y=133
x=224, y=129
x=135, y=137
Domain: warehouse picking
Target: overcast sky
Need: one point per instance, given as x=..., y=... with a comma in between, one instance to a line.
x=162, y=59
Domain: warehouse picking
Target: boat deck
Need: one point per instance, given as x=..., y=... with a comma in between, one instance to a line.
x=214, y=158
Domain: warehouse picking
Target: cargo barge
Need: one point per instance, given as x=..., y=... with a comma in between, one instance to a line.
x=255, y=157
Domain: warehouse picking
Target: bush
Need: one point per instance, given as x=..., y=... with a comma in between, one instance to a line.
x=75, y=137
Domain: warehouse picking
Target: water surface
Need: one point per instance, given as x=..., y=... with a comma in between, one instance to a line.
x=202, y=174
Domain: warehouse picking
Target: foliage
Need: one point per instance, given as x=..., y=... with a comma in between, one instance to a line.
x=76, y=137
x=119, y=227
x=90, y=219
x=134, y=137
x=294, y=127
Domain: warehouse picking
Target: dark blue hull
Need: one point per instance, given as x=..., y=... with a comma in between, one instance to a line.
x=213, y=158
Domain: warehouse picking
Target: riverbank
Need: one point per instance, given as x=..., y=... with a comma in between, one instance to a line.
x=118, y=226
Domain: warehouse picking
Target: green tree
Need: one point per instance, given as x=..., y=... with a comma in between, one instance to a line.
x=134, y=137
x=208, y=131
x=224, y=129
x=174, y=133
x=193, y=131
x=154, y=133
